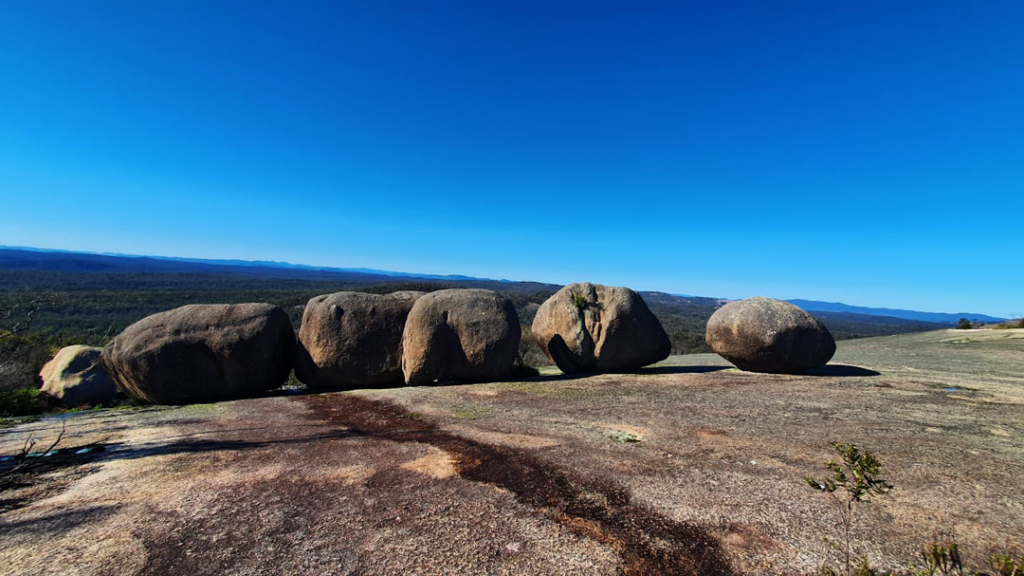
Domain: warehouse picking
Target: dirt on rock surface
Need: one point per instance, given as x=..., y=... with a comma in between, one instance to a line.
x=688, y=467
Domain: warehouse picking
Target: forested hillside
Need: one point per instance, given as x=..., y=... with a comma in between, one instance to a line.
x=92, y=307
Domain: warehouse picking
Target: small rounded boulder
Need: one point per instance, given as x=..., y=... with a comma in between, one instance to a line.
x=460, y=335
x=353, y=340
x=76, y=376
x=588, y=327
x=203, y=352
x=765, y=335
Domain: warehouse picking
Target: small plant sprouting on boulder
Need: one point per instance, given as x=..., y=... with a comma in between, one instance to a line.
x=854, y=479
x=579, y=301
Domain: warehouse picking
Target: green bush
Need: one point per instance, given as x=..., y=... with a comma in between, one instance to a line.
x=22, y=402
x=580, y=301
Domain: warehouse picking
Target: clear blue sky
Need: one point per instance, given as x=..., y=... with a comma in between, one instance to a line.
x=864, y=152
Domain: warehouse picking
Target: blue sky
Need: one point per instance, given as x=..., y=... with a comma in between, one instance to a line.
x=869, y=152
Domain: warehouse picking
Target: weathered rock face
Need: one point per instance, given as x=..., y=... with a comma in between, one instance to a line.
x=588, y=327
x=461, y=335
x=76, y=376
x=353, y=340
x=203, y=352
x=764, y=335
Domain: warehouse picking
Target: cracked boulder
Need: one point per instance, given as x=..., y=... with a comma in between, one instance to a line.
x=588, y=327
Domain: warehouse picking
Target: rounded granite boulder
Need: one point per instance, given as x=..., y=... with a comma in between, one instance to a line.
x=460, y=335
x=765, y=335
x=353, y=339
x=588, y=327
x=203, y=352
x=76, y=376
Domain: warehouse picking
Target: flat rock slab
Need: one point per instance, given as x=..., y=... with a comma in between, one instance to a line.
x=525, y=477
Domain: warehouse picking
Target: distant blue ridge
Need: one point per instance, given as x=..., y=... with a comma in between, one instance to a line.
x=940, y=317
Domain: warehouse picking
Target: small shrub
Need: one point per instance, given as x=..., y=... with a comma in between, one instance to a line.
x=942, y=559
x=580, y=302
x=22, y=402
x=856, y=475
x=855, y=478
x=1006, y=564
x=964, y=324
x=624, y=437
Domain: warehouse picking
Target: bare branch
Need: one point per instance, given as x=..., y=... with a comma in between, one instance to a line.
x=18, y=312
x=24, y=459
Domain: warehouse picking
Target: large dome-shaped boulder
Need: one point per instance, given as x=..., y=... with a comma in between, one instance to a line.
x=353, y=340
x=588, y=327
x=203, y=352
x=76, y=376
x=460, y=335
x=764, y=335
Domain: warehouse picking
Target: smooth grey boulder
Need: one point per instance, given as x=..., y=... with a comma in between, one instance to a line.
x=765, y=335
x=203, y=352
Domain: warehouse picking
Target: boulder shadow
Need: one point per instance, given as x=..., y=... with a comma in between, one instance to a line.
x=655, y=370
x=842, y=370
x=553, y=377
x=649, y=371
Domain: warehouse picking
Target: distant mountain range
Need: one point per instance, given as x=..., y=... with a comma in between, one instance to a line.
x=42, y=260
x=70, y=260
x=939, y=317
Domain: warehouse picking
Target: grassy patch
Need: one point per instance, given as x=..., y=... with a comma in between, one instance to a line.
x=556, y=389
x=17, y=421
x=470, y=412
x=624, y=437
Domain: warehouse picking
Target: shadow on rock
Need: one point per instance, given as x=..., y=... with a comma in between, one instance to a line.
x=655, y=370
x=191, y=445
x=58, y=522
x=842, y=370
